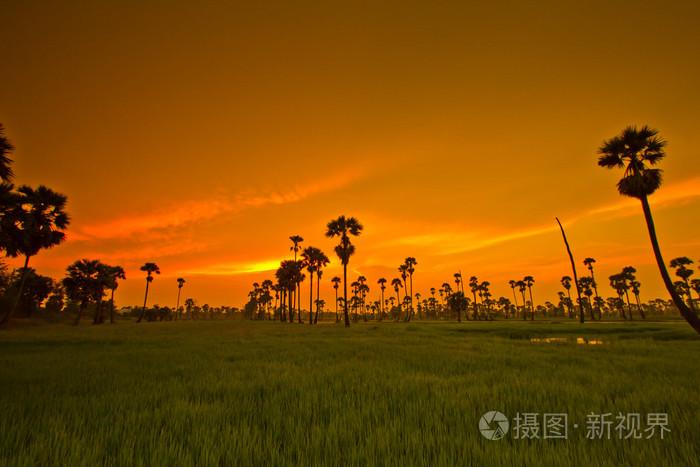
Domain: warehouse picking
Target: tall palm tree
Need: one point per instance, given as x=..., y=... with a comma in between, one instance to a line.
x=396, y=283
x=35, y=220
x=588, y=262
x=636, y=150
x=149, y=269
x=296, y=247
x=344, y=227
x=628, y=276
x=635, y=286
x=411, y=264
x=382, y=286
x=522, y=287
x=474, y=287
x=180, y=285
x=314, y=260
x=512, y=285
x=6, y=148
x=288, y=277
x=458, y=281
x=529, y=281
x=336, y=284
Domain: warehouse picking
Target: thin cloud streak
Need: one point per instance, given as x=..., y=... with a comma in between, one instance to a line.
x=195, y=211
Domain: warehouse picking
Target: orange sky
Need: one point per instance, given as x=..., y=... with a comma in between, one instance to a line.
x=202, y=135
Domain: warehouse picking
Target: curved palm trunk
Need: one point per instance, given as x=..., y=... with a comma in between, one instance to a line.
x=688, y=314
x=345, y=295
x=22, y=281
x=145, y=300
x=532, y=305
x=381, y=307
x=573, y=268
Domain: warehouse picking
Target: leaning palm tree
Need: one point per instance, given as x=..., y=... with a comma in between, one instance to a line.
x=635, y=150
x=5, y=162
x=180, y=285
x=149, y=269
x=344, y=227
x=35, y=220
x=336, y=284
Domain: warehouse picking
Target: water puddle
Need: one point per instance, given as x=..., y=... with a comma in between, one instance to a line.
x=564, y=340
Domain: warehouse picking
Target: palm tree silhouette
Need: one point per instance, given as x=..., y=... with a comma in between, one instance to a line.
x=313, y=259
x=411, y=264
x=34, y=220
x=288, y=277
x=336, y=283
x=636, y=150
x=114, y=275
x=588, y=262
x=566, y=283
x=6, y=148
x=149, y=269
x=344, y=227
x=180, y=285
x=81, y=283
x=397, y=284
x=679, y=264
x=382, y=286
x=512, y=285
x=529, y=280
x=296, y=247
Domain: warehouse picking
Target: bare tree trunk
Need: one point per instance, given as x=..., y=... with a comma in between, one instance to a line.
x=573, y=267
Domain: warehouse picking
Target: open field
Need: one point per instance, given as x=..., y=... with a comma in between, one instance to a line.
x=266, y=393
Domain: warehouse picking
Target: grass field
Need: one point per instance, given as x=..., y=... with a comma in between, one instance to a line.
x=265, y=393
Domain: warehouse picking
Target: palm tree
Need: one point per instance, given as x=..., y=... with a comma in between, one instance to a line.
x=635, y=285
x=149, y=269
x=6, y=148
x=679, y=264
x=628, y=277
x=180, y=285
x=474, y=286
x=82, y=283
x=619, y=283
x=35, y=220
x=411, y=264
x=397, y=284
x=588, y=262
x=336, y=283
x=522, y=287
x=529, y=280
x=288, y=277
x=586, y=286
x=382, y=286
x=566, y=283
x=344, y=227
x=512, y=285
x=636, y=150
x=296, y=247
x=114, y=275
x=458, y=281
x=314, y=260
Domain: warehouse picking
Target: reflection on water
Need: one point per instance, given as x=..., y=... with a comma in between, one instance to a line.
x=548, y=340
x=562, y=340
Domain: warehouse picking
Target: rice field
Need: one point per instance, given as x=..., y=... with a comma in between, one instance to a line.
x=266, y=393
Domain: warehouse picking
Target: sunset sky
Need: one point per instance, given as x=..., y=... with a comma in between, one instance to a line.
x=201, y=135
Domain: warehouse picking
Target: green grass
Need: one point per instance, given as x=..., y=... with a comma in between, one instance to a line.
x=262, y=393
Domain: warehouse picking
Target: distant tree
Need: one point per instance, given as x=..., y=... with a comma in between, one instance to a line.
x=314, y=260
x=382, y=287
x=336, y=284
x=529, y=281
x=113, y=275
x=296, y=247
x=635, y=150
x=456, y=302
x=35, y=220
x=411, y=264
x=681, y=264
x=344, y=228
x=589, y=262
x=180, y=285
x=36, y=289
x=82, y=283
x=512, y=285
x=522, y=287
x=149, y=269
x=566, y=283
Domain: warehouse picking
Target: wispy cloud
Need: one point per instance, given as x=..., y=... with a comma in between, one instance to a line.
x=234, y=268
x=192, y=211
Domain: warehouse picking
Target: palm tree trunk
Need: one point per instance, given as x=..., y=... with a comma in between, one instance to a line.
x=573, y=268
x=532, y=305
x=318, y=299
x=111, y=308
x=345, y=295
x=22, y=280
x=145, y=299
x=98, y=310
x=524, y=306
x=177, y=307
x=311, y=297
x=80, y=312
x=689, y=316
